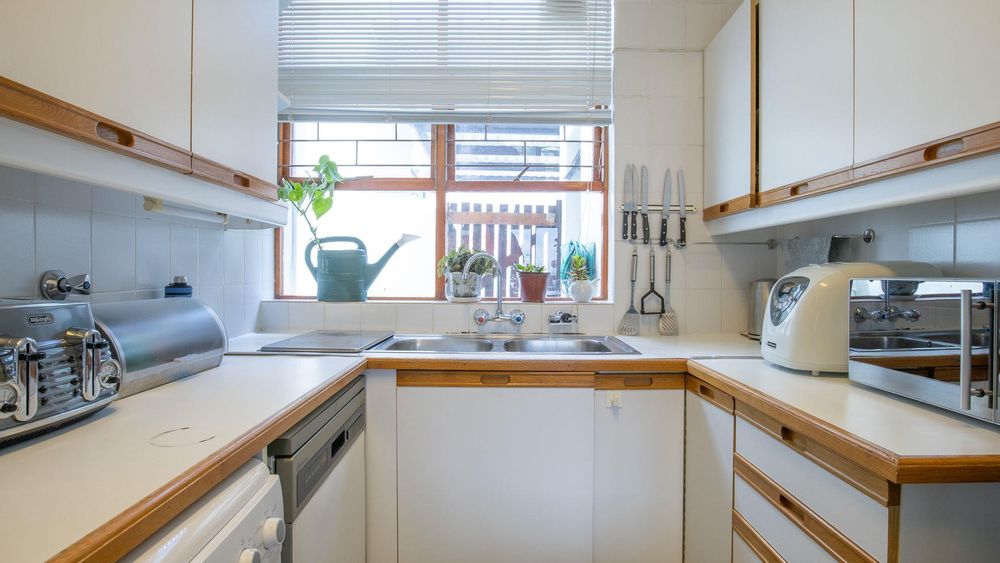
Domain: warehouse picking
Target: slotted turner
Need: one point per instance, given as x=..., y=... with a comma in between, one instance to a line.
x=668, y=320
x=630, y=321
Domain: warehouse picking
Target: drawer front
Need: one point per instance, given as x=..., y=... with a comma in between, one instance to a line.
x=749, y=546
x=787, y=539
x=858, y=516
x=742, y=553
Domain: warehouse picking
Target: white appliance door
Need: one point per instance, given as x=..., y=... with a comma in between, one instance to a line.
x=331, y=527
x=254, y=535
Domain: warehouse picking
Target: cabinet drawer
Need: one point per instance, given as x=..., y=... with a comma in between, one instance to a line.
x=787, y=539
x=807, y=471
x=749, y=546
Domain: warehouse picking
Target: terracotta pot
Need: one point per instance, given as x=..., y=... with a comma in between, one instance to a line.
x=533, y=286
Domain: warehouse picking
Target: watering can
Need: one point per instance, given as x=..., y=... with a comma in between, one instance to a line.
x=346, y=275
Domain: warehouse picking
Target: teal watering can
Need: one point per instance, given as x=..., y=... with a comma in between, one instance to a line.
x=346, y=275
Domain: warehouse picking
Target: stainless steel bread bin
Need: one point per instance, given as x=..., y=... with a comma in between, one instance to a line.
x=161, y=340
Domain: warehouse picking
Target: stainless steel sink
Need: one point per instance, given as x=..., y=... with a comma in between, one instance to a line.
x=529, y=344
x=979, y=338
x=891, y=342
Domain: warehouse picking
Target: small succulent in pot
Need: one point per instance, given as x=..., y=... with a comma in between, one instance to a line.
x=534, y=280
x=581, y=287
x=450, y=267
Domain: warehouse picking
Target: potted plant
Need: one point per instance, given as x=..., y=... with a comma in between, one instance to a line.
x=534, y=280
x=456, y=288
x=581, y=287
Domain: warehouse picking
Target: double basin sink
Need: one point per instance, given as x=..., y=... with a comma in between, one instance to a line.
x=914, y=340
x=533, y=344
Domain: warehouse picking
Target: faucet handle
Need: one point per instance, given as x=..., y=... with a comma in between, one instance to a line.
x=56, y=285
x=481, y=316
x=517, y=316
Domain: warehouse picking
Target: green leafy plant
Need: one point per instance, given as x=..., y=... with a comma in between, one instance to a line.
x=314, y=194
x=578, y=269
x=529, y=268
x=455, y=260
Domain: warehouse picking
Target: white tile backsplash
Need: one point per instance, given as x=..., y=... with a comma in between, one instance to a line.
x=49, y=223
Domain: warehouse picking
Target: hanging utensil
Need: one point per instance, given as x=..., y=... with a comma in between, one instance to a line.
x=668, y=320
x=630, y=322
x=627, y=199
x=655, y=299
x=667, y=196
x=644, y=175
x=682, y=196
x=634, y=213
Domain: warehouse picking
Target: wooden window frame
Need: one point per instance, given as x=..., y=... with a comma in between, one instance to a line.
x=441, y=182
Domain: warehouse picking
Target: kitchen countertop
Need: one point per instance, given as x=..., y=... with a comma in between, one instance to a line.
x=61, y=486
x=904, y=441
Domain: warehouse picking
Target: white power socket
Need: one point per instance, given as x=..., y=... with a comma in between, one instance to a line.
x=613, y=400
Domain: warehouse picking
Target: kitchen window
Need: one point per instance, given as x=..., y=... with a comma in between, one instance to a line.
x=518, y=191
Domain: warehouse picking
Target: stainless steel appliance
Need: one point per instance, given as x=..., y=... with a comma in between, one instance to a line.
x=321, y=463
x=161, y=340
x=55, y=366
x=931, y=340
x=760, y=290
x=328, y=342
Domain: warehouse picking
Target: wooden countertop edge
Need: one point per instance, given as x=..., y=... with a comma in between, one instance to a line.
x=900, y=469
x=118, y=536
x=599, y=365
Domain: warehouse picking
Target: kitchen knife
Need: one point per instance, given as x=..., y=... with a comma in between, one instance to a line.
x=682, y=201
x=625, y=202
x=644, y=174
x=634, y=209
x=667, y=196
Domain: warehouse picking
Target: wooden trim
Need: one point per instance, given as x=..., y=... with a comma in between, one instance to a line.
x=522, y=364
x=754, y=115
x=638, y=381
x=974, y=142
x=735, y=205
x=829, y=538
x=757, y=543
x=526, y=186
x=493, y=378
x=878, y=488
x=118, y=536
x=381, y=184
x=231, y=178
x=441, y=156
x=711, y=394
x=37, y=109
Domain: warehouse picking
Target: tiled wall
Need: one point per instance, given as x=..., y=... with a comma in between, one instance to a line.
x=51, y=223
x=658, y=103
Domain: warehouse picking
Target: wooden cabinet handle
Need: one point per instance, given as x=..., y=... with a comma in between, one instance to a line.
x=494, y=379
x=945, y=149
x=241, y=180
x=798, y=189
x=114, y=134
x=793, y=508
x=706, y=391
x=638, y=382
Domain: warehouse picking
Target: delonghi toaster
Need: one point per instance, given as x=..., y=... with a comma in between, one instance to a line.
x=55, y=366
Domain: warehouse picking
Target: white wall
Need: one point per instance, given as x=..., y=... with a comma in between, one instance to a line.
x=658, y=103
x=50, y=223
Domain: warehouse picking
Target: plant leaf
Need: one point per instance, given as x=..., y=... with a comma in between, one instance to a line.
x=321, y=205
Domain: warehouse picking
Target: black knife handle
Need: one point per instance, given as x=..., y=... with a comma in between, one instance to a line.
x=635, y=223
x=663, y=230
x=624, y=225
x=645, y=228
x=684, y=235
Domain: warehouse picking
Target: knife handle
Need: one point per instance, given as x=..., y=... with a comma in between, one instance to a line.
x=684, y=235
x=635, y=221
x=663, y=228
x=645, y=228
x=625, y=225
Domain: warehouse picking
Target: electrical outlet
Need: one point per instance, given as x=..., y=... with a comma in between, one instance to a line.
x=613, y=399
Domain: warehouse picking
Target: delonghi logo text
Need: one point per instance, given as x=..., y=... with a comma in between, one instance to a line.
x=40, y=319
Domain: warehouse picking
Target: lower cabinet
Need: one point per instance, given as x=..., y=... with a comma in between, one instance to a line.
x=708, y=483
x=490, y=474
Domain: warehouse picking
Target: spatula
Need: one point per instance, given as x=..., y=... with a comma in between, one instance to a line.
x=630, y=322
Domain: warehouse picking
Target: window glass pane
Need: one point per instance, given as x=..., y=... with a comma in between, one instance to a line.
x=394, y=171
x=538, y=153
x=304, y=130
x=471, y=131
x=413, y=131
x=525, y=227
x=393, y=152
x=378, y=219
x=308, y=152
x=357, y=131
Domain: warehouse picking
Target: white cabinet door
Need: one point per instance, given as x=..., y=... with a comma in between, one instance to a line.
x=495, y=474
x=728, y=110
x=127, y=61
x=235, y=84
x=639, y=477
x=708, y=482
x=924, y=69
x=805, y=89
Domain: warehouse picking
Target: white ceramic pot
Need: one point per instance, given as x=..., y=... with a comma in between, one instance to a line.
x=582, y=291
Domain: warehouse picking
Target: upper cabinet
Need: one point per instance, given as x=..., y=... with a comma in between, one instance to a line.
x=924, y=70
x=127, y=61
x=730, y=177
x=805, y=94
x=235, y=84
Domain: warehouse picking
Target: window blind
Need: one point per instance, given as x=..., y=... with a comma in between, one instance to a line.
x=446, y=61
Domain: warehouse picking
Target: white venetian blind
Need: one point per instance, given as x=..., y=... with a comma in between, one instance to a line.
x=446, y=60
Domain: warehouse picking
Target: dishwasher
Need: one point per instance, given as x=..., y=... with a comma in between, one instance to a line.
x=321, y=465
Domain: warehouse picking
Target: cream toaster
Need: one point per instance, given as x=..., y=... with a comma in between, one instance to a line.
x=805, y=326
